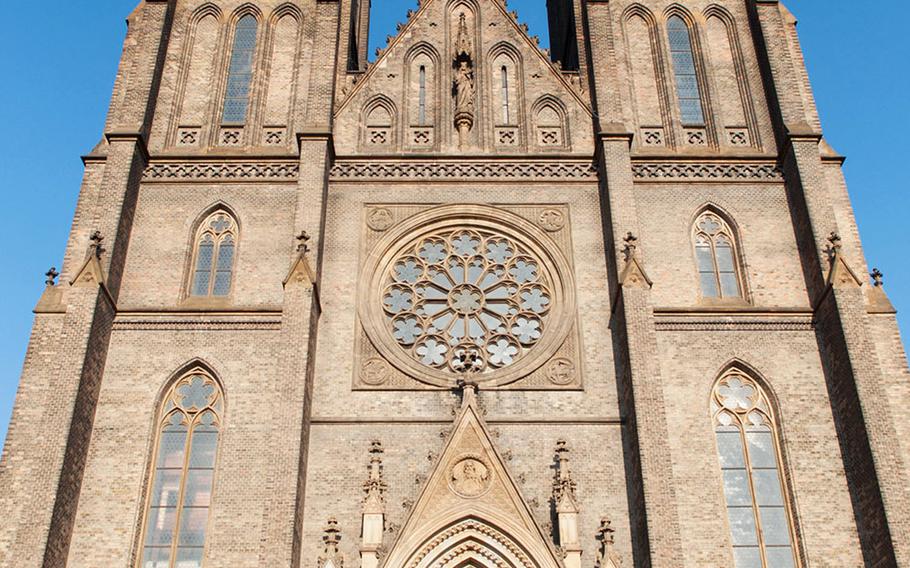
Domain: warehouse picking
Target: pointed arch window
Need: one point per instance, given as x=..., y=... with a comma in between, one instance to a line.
x=754, y=487
x=240, y=72
x=716, y=257
x=422, y=96
x=184, y=466
x=213, y=265
x=688, y=91
x=504, y=80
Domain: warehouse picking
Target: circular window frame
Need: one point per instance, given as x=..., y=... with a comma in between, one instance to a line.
x=393, y=244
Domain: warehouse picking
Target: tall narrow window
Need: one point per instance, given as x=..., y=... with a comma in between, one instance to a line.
x=504, y=74
x=754, y=488
x=240, y=72
x=214, y=256
x=688, y=92
x=178, y=507
x=715, y=254
x=422, y=97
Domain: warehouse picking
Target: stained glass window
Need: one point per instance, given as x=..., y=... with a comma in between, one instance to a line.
x=465, y=292
x=716, y=258
x=747, y=444
x=504, y=79
x=240, y=72
x=214, y=262
x=184, y=466
x=422, y=97
x=688, y=92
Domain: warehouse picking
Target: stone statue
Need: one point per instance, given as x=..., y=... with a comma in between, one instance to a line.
x=464, y=89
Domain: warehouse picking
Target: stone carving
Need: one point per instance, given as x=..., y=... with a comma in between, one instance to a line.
x=380, y=219
x=463, y=83
x=760, y=171
x=552, y=220
x=536, y=170
x=206, y=171
x=470, y=477
x=606, y=554
x=375, y=372
x=331, y=556
x=561, y=371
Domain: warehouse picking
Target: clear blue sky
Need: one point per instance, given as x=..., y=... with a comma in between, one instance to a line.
x=58, y=67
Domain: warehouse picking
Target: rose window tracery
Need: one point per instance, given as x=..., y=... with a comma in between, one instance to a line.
x=459, y=290
x=464, y=291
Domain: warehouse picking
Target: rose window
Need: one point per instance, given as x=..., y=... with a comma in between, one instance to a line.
x=466, y=300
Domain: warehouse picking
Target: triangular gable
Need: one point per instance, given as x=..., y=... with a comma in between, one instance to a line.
x=406, y=37
x=471, y=507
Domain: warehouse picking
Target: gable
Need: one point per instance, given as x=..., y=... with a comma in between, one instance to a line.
x=519, y=101
x=471, y=508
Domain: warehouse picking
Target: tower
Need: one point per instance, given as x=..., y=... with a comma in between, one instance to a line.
x=460, y=306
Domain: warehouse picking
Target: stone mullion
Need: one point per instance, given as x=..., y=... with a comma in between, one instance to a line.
x=642, y=398
x=281, y=541
x=865, y=423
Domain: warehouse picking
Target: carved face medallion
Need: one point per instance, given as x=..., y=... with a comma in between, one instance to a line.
x=470, y=477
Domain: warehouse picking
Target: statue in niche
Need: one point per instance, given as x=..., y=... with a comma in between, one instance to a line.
x=463, y=84
x=464, y=89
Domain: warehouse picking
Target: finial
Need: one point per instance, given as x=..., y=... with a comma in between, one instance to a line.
x=563, y=484
x=95, y=248
x=606, y=556
x=877, y=277
x=467, y=360
x=303, y=240
x=331, y=538
x=52, y=275
x=631, y=244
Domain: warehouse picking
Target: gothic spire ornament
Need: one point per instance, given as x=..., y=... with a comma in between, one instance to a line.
x=463, y=82
x=331, y=556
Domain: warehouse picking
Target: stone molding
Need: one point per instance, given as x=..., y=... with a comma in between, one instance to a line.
x=209, y=171
x=726, y=324
x=702, y=171
x=184, y=323
x=464, y=170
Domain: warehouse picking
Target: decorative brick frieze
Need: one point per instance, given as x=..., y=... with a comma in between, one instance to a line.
x=370, y=171
x=208, y=171
x=699, y=171
x=187, y=322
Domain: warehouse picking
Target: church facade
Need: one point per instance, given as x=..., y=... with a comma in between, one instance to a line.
x=474, y=304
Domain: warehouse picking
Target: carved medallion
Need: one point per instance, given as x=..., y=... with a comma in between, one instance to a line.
x=375, y=372
x=380, y=219
x=561, y=372
x=470, y=477
x=552, y=220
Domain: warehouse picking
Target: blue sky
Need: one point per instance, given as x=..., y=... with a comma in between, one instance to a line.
x=57, y=84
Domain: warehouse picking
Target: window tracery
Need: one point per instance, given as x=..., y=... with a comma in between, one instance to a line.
x=688, y=90
x=213, y=264
x=183, y=472
x=478, y=290
x=754, y=487
x=467, y=290
x=240, y=72
x=716, y=257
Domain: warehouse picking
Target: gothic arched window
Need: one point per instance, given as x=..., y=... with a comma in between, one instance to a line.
x=422, y=96
x=716, y=257
x=240, y=72
x=688, y=92
x=189, y=422
x=213, y=264
x=754, y=486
